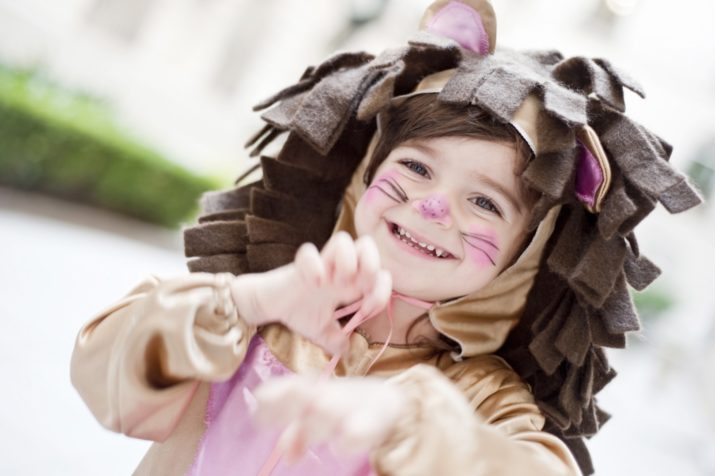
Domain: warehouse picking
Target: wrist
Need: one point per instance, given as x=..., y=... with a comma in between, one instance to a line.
x=244, y=294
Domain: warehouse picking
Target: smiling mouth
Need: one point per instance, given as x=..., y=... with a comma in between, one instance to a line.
x=425, y=248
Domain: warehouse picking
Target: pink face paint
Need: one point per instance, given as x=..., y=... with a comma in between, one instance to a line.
x=434, y=207
x=481, y=246
x=385, y=186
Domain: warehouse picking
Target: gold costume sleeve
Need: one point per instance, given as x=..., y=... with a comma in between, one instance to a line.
x=495, y=431
x=138, y=363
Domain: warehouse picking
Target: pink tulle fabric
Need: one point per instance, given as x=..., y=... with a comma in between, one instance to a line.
x=233, y=445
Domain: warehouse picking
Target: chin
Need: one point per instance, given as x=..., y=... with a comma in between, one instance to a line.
x=408, y=287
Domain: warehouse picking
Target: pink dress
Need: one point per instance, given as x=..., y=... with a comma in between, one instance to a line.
x=233, y=445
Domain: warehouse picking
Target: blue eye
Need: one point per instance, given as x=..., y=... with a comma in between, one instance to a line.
x=486, y=204
x=416, y=167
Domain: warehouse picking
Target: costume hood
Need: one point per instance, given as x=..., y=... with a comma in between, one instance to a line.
x=599, y=174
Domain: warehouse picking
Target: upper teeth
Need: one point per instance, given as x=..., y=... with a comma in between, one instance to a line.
x=429, y=247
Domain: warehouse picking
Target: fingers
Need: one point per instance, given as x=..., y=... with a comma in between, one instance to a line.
x=299, y=404
x=377, y=298
x=355, y=414
x=331, y=338
x=344, y=272
x=340, y=258
x=309, y=264
x=368, y=261
x=282, y=400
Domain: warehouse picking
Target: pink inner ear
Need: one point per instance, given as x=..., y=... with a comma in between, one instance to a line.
x=589, y=176
x=462, y=24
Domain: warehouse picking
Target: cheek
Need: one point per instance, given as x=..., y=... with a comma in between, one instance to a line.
x=482, y=246
x=370, y=196
x=376, y=195
x=373, y=203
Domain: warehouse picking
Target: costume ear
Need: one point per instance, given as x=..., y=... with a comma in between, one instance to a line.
x=593, y=173
x=471, y=23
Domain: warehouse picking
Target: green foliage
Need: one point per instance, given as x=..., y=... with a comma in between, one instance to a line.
x=652, y=302
x=64, y=143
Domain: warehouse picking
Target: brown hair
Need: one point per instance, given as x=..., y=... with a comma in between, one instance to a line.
x=424, y=117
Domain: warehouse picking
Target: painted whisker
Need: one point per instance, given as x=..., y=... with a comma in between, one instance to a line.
x=483, y=251
x=396, y=187
x=482, y=238
x=385, y=192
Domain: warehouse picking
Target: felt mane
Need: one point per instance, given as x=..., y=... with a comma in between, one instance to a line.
x=579, y=302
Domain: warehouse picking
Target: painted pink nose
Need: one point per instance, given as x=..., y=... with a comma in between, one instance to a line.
x=435, y=207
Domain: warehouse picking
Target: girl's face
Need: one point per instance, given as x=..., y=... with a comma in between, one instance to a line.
x=446, y=215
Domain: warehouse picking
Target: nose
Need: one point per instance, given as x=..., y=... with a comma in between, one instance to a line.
x=434, y=208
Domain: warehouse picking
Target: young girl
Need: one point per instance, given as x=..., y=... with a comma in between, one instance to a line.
x=485, y=211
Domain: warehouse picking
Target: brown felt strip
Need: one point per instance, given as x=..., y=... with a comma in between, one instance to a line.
x=215, y=238
x=569, y=395
x=312, y=75
x=227, y=215
x=232, y=199
x=574, y=339
x=557, y=415
x=617, y=208
x=586, y=390
x=295, y=181
x=542, y=347
x=580, y=451
x=643, y=203
x=586, y=76
x=380, y=92
x=568, y=106
x=567, y=252
x=554, y=135
x=618, y=312
x=232, y=263
x=600, y=334
x=327, y=108
x=596, y=273
x=261, y=230
x=621, y=76
x=551, y=172
x=680, y=197
x=490, y=93
x=603, y=373
x=640, y=271
x=266, y=256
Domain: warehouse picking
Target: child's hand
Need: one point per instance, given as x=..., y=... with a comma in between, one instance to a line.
x=304, y=294
x=354, y=414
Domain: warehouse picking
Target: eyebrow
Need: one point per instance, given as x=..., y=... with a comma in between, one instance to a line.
x=431, y=153
x=499, y=188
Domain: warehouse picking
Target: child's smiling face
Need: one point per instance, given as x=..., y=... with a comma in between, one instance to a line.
x=446, y=214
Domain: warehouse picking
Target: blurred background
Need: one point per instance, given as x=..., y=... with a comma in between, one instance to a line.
x=115, y=115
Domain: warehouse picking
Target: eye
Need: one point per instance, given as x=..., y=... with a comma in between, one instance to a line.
x=486, y=204
x=417, y=167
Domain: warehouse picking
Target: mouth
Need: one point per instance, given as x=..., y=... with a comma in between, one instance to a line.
x=424, y=247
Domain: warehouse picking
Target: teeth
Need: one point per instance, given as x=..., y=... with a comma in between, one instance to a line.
x=407, y=238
